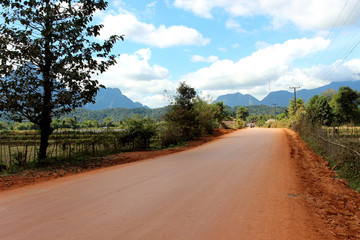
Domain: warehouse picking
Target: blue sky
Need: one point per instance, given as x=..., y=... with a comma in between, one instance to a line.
x=228, y=46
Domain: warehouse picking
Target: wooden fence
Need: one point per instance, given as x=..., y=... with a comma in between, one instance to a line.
x=21, y=148
x=340, y=144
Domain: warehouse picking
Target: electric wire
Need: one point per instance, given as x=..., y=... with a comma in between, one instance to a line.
x=331, y=71
x=351, y=49
x=330, y=32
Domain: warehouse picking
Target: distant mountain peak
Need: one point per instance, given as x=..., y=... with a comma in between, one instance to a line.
x=238, y=99
x=282, y=97
x=112, y=98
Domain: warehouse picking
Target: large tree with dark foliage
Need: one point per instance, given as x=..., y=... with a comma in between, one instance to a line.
x=49, y=55
x=319, y=110
x=345, y=104
x=182, y=115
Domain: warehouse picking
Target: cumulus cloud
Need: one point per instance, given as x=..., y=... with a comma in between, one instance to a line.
x=139, y=80
x=354, y=66
x=146, y=83
x=253, y=73
x=306, y=14
x=127, y=24
x=210, y=59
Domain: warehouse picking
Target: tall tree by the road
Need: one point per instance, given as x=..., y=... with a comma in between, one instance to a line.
x=345, y=104
x=221, y=112
x=189, y=116
x=182, y=115
x=241, y=114
x=319, y=110
x=48, y=59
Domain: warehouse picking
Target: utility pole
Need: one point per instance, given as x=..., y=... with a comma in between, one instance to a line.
x=294, y=97
x=275, y=109
x=269, y=98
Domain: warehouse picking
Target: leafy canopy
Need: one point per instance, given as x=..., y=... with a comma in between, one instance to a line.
x=49, y=57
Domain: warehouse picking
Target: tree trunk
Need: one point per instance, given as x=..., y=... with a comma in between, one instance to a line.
x=45, y=121
x=45, y=132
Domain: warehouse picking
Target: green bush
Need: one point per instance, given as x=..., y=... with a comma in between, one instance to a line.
x=170, y=135
x=139, y=131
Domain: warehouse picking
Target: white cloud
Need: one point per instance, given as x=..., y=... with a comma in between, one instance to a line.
x=198, y=7
x=262, y=44
x=146, y=83
x=233, y=24
x=151, y=5
x=306, y=14
x=343, y=71
x=127, y=24
x=210, y=59
x=253, y=73
x=139, y=80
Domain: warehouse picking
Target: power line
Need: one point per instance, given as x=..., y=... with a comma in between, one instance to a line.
x=348, y=43
x=342, y=60
x=351, y=13
x=351, y=49
x=332, y=28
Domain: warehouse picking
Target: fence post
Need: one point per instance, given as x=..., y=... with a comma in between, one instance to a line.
x=69, y=150
x=10, y=155
x=25, y=157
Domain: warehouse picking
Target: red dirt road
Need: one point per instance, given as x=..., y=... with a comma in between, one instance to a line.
x=246, y=185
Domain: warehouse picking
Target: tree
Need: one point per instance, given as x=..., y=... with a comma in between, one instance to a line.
x=48, y=59
x=206, y=119
x=185, y=96
x=319, y=110
x=108, y=122
x=221, y=112
x=242, y=113
x=345, y=105
x=299, y=106
x=182, y=115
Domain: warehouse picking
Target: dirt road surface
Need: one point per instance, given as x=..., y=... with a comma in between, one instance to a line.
x=246, y=185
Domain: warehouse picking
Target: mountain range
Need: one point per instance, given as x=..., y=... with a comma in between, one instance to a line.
x=112, y=98
x=282, y=98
